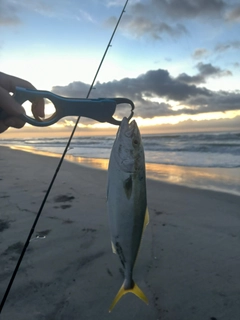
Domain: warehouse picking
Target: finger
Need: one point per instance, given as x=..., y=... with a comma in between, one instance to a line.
x=13, y=122
x=38, y=108
x=9, y=83
x=8, y=104
x=3, y=127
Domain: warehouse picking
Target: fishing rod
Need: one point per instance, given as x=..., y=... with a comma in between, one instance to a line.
x=57, y=169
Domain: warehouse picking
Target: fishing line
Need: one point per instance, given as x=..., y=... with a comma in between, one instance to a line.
x=57, y=170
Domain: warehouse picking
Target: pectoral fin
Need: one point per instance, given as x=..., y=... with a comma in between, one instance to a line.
x=127, y=184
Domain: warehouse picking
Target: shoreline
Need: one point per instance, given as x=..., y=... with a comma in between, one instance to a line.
x=226, y=180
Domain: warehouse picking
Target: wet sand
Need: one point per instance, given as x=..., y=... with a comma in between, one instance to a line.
x=188, y=265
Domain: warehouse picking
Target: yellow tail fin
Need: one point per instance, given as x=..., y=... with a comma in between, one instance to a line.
x=135, y=290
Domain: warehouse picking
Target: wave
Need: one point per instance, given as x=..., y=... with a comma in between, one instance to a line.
x=192, y=149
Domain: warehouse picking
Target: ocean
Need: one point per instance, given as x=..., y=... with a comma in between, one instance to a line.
x=201, y=160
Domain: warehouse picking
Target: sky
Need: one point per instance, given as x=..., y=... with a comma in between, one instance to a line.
x=178, y=61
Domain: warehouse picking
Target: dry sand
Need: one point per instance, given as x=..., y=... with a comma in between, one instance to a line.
x=188, y=265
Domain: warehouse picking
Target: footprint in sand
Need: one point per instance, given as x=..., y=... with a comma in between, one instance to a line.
x=15, y=248
x=4, y=196
x=63, y=198
x=4, y=224
x=65, y=206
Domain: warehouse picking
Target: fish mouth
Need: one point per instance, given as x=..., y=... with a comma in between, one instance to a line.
x=128, y=128
x=128, y=144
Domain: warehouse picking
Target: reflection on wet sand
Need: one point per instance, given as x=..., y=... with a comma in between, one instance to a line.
x=89, y=162
x=34, y=151
x=219, y=179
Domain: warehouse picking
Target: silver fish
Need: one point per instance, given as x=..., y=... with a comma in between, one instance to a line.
x=127, y=202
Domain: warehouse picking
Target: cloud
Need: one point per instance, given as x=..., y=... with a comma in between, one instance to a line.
x=206, y=125
x=11, y=10
x=169, y=18
x=220, y=101
x=154, y=83
x=148, y=91
x=221, y=47
x=145, y=19
x=174, y=8
x=140, y=26
x=75, y=89
x=209, y=70
x=190, y=9
x=205, y=71
x=234, y=14
x=8, y=14
x=199, y=53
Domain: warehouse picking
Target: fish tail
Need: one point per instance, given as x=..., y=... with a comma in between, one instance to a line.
x=135, y=290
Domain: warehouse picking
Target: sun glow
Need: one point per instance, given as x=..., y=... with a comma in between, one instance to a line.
x=155, y=121
x=184, y=117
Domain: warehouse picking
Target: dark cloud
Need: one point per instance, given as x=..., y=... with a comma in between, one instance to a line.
x=221, y=47
x=214, y=102
x=161, y=18
x=205, y=71
x=234, y=14
x=8, y=14
x=145, y=19
x=154, y=83
x=147, y=88
x=159, y=83
x=197, y=79
x=220, y=101
x=75, y=89
x=208, y=69
x=200, y=53
x=143, y=25
x=140, y=26
x=190, y=9
x=11, y=11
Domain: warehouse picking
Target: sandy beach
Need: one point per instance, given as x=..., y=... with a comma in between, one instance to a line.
x=188, y=265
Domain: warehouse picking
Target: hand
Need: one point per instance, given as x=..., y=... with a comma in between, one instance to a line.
x=10, y=106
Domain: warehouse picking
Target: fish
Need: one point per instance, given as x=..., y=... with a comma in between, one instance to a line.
x=127, y=202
